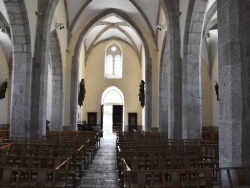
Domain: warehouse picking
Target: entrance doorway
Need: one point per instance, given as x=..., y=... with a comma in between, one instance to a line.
x=117, y=118
x=112, y=110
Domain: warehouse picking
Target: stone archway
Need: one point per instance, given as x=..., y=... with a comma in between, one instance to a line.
x=22, y=66
x=111, y=96
x=75, y=67
x=57, y=83
x=40, y=69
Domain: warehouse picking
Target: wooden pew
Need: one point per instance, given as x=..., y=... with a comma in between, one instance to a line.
x=33, y=154
x=198, y=177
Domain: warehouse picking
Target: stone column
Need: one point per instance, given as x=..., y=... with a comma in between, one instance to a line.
x=21, y=70
x=74, y=93
x=148, y=95
x=40, y=69
x=57, y=83
x=191, y=86
x=171, y=72
x=174, y=82
x=234, y=79
x=163, y=93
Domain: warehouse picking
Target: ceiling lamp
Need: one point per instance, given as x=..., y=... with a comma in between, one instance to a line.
x=59, y=26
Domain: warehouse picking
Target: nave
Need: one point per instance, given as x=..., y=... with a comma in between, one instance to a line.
x=102, y=172
x=136, y=159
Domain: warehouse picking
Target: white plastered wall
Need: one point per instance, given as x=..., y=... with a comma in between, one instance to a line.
x=31, y=7
x=209, y=75
x=207, y=114
x=49, y=93
x=5, y=53
x=60, y=17
x=82, y=76
x=3, y=10
x=183, y=6
x=96, y=83
x=4, y=74
x=213, y=45
x=143, y=78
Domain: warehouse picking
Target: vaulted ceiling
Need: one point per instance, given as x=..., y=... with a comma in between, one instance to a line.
x=112, y=26
x=144, y=14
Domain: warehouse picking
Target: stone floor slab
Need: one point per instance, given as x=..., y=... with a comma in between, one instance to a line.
x=102, y=172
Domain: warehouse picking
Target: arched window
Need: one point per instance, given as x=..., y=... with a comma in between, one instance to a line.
x=113, y=62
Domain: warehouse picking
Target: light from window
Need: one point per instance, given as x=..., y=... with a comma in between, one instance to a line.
x=113, y=48
x=113, y=63
x=109, y=65
x=117, y=65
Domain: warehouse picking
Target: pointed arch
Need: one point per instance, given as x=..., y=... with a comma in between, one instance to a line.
x=75, y=66
x=40, y=69
x=113, y=60
x=93, y=44
x=112, y=95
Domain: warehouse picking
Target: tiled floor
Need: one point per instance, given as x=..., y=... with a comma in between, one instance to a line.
x=102, y=172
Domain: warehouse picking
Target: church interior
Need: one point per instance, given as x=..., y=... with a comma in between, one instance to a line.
x=135, y=75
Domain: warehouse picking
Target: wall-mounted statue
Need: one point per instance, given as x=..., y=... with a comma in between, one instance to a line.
x=142, y=94
x=217, y=90
x=3, y=89
x=81, y=93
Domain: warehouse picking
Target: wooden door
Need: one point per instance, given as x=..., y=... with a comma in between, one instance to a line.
x=132, y=121
x=117, y=118
x=92, y=118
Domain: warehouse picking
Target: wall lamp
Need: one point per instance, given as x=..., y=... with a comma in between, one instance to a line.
x=208, y=35
x=3, y=30
x=38, y=13
x=60, y=26
x=160, y=27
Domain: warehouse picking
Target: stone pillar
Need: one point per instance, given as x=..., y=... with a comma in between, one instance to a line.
x=174, y=83
x=163, y=93
x=191, y=86
x=37, y=127
x=57, y=84
x=21, y=70
x=148, y=95
x=171, y=72
x=234, y=79
x=74, y=93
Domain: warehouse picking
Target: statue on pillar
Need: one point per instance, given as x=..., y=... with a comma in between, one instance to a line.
x=81, y=93
x=3, y=89
x=142, y=94
x=217, y=90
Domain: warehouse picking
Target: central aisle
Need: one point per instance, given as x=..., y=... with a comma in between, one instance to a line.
x=102, y=172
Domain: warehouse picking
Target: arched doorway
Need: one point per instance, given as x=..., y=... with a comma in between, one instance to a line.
x=113, y=110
